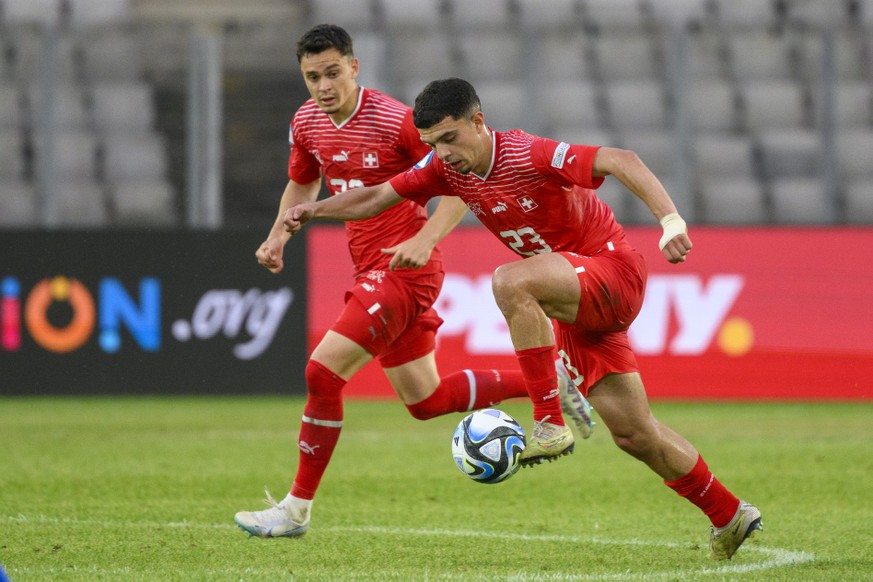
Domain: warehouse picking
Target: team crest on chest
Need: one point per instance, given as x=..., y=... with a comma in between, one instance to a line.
x=371, y=159
x=526, y=202
x=476, y=208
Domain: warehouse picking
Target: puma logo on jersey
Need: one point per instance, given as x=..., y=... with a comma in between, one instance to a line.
x=501, y=207
x=343, y=156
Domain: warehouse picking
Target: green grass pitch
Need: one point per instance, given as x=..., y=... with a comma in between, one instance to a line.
x=146, y=489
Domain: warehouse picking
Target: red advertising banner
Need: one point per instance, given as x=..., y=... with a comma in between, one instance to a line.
x=753, y=314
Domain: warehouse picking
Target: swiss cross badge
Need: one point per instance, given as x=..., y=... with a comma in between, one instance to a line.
x=371, y=160
x=526, y=202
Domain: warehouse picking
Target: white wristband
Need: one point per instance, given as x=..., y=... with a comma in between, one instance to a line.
x=673, y=226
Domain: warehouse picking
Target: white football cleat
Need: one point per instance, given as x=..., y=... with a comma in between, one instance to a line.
x=547, y=442
x=573, y=404
x=725, y=541
x=284, y=519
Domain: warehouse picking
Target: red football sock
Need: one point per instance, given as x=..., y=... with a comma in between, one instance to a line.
x=701, y=488
x=469, y=390
x=541, y=379
x=320, y=429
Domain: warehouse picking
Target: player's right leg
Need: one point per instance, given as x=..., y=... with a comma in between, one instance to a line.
x=621, y=402
x=335, y=360
x=529, y=293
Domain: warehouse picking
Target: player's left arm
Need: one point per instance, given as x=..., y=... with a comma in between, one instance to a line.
x=630, y=170
x=414, y=252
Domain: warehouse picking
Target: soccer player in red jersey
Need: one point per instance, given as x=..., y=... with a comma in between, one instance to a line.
x=537, y=196
x=353, y=137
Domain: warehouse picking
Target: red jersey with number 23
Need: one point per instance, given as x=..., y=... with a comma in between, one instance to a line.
x=375, y=143
x=537, y=197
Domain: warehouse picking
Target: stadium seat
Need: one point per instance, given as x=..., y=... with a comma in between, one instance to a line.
x=617, y=197
x=678, y=13
x=561, y=56
x=371, y=50
x=567, y=102
x=625, y=55
x=90, y=13
x=760, y=54
x=712, y=106
x=732, y=200
x=122, y=105
x=638, y=104
x=353, y=16
x=853, y=104
x=800, y=201
x=769, y=104
x=11, y=114
x=746, y=13
x=18, y=205
x=865, y=9
x=614, y=14
x=26, y=48
x=849, y=53
x=111, y=55
x=505, y=104
x=82, y=203
x=399, y=14
x=789, y=152
x=720, y=156
x=420, y=54
x=548, y=16
x=855, y=153
x=657, y=149
x=74, y=153
x=142, y=202
x=706, y=54
x=859, y=201
x=44, y=12
x=481, y=13
x=816, y=14
x=133, y=157
x=492, y=55
x=69, y=106
x=11, y=153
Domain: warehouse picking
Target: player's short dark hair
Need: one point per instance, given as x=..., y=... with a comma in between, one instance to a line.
x=443, y=98
x=323, y=37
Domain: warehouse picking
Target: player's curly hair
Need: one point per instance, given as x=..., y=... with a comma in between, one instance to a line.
x=322, y=37
x=446, y=97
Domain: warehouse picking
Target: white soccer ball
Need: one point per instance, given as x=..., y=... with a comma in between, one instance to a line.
x=487, y=444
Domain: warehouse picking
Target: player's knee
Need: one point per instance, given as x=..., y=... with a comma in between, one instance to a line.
x=505, y=286
x=321, y=383
x=636, y=443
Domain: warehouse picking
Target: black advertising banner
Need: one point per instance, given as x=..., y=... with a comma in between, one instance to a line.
x=163, y=312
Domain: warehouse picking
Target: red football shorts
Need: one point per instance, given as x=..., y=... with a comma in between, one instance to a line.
x=391, y=315
x=613, y=283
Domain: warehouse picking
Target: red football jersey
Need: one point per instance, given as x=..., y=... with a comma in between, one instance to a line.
x=538, y=196
x=375, y=143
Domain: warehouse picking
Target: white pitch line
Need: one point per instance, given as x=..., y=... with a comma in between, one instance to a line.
x=774, y=557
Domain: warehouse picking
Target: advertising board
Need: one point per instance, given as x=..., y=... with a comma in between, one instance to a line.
x=753, y=314
x=148, y=312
